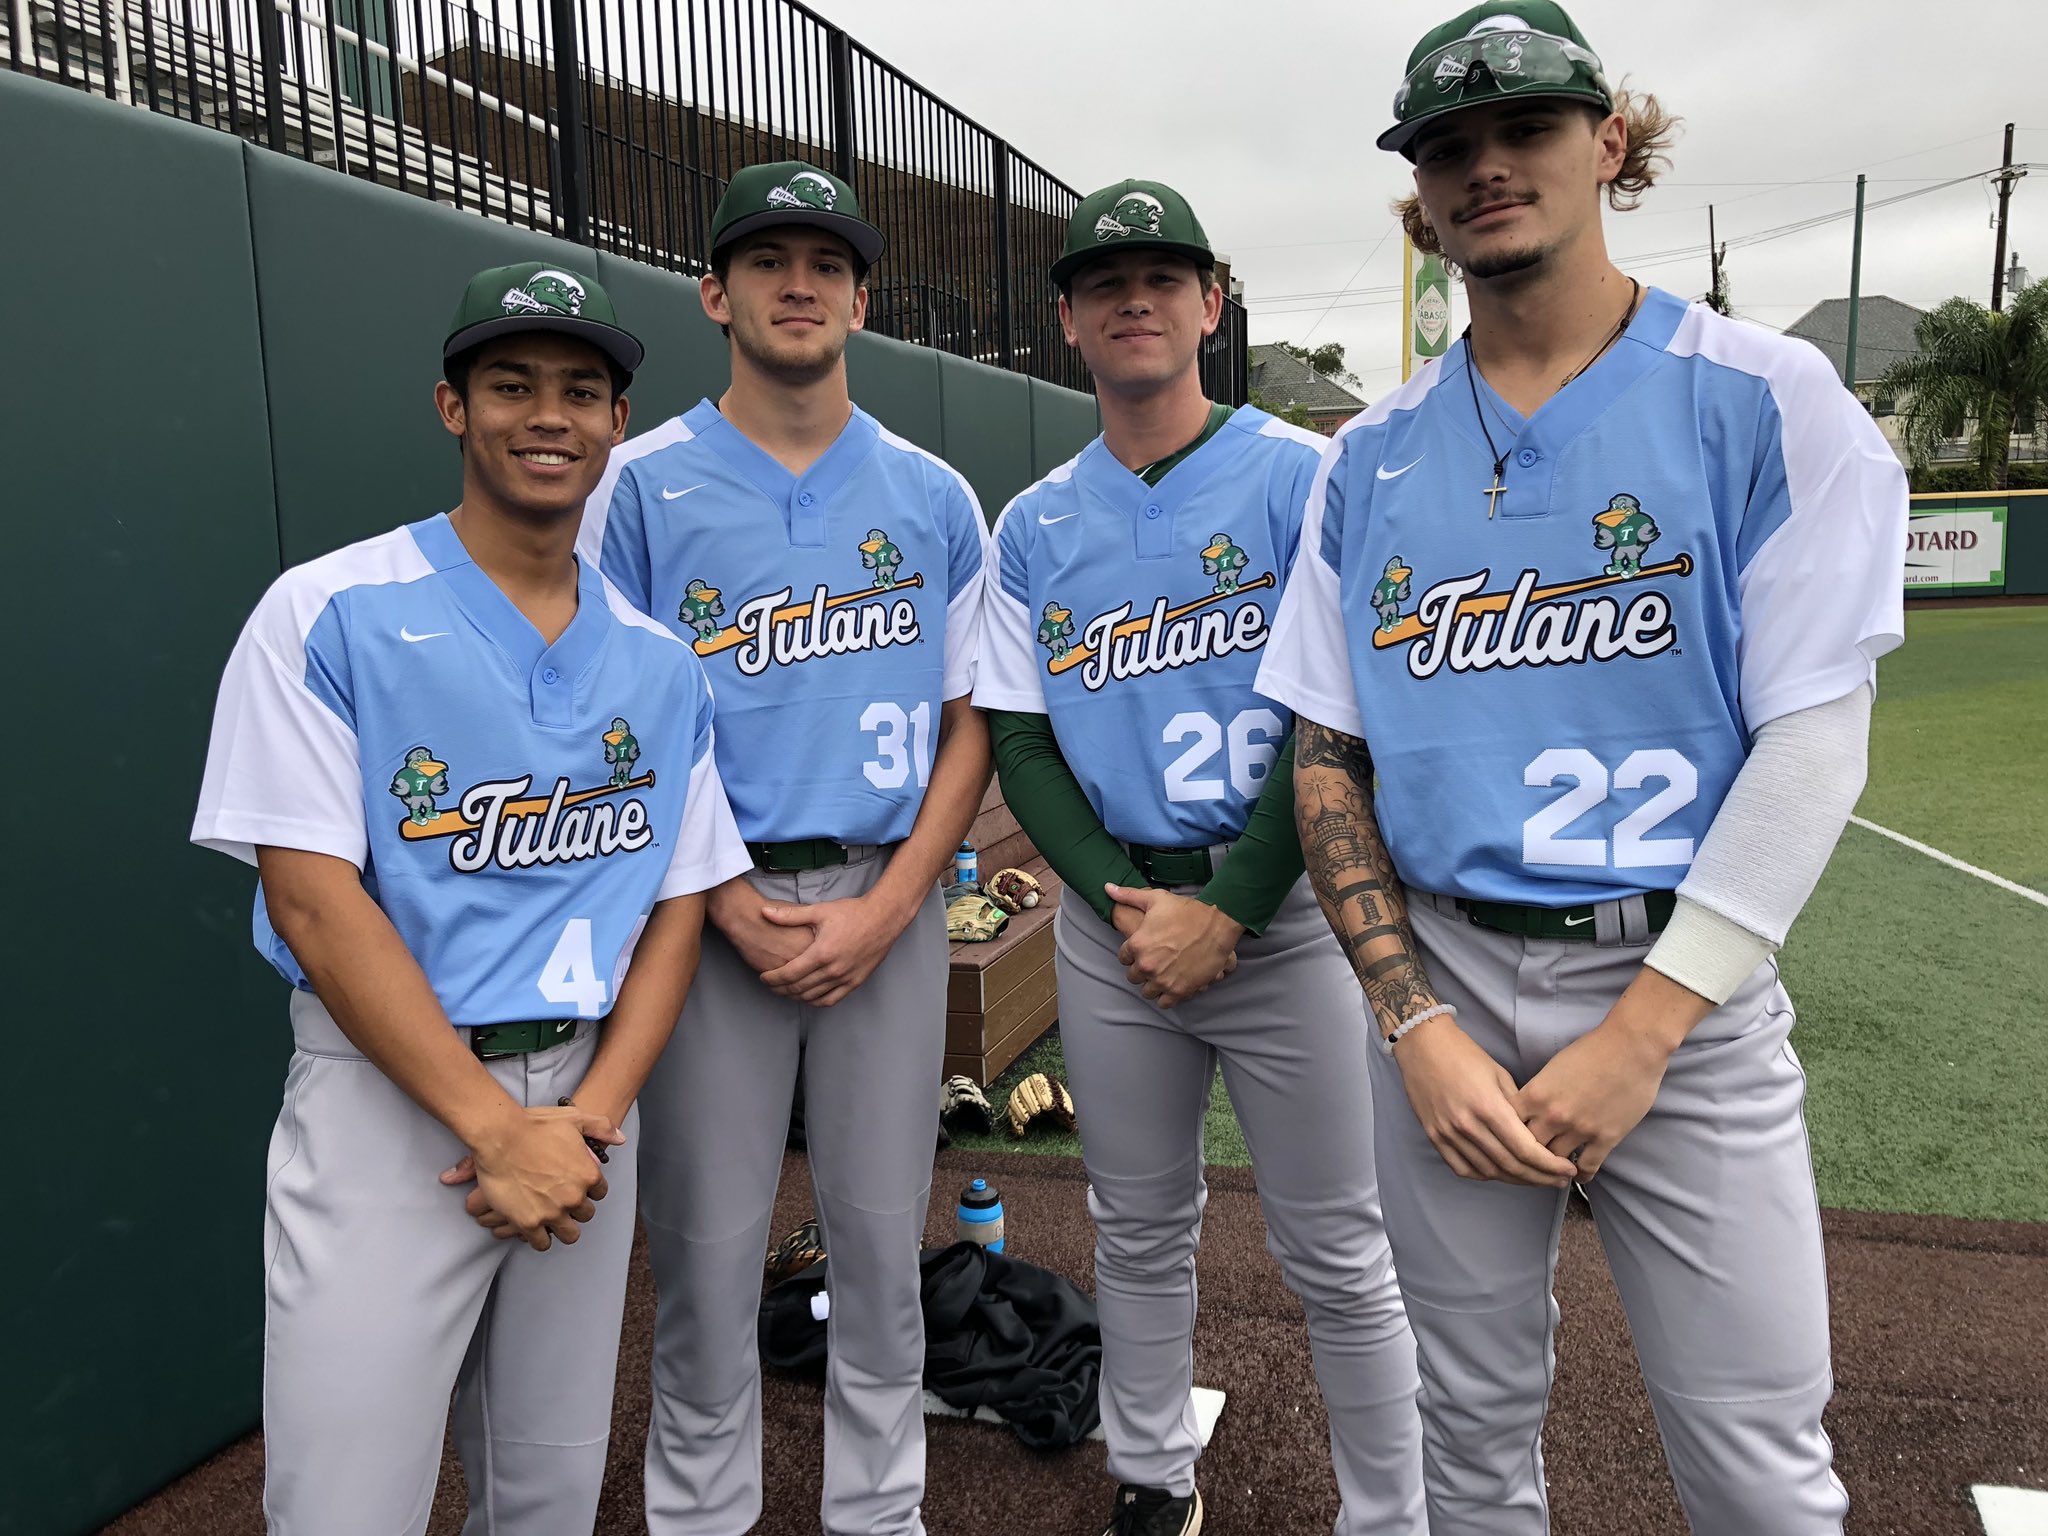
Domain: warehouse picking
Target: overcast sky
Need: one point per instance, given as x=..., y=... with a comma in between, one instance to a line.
x=1263, y=112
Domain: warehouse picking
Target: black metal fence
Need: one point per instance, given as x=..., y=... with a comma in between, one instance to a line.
x=616, y=124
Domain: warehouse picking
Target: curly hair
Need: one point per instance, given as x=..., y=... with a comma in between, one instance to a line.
x=1650, y=130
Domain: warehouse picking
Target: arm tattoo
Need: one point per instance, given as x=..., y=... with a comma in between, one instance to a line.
x=1353, y=874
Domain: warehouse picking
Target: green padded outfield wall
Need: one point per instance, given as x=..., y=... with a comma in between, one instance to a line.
x=220, y=361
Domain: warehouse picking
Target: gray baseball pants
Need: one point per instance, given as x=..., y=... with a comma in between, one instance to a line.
x=716, y=1114
x=1290, y=1031
x=1712, y=1231
x=381, y=1295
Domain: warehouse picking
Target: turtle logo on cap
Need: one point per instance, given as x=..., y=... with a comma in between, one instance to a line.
x=1135, y=213
x=806, y=189
x=548, y=292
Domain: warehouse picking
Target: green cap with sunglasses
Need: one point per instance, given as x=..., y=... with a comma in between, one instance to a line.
x=1521, y=49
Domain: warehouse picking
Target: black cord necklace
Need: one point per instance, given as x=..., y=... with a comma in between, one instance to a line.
x=1498, y=489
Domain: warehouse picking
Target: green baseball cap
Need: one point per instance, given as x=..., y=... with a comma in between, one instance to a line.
x=791, y=192
x=537, y=296
x=1520, y=48
x=1132, y=215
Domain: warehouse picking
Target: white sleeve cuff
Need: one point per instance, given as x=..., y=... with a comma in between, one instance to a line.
x=1706, y=953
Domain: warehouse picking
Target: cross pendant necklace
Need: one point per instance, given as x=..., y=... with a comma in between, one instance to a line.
x=1495, y=491
x=1499, y=488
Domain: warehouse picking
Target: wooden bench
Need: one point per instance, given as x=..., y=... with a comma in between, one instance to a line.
x=999, y=994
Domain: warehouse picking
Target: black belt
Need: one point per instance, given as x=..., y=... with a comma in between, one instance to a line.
x=1173, y=866
x=491, y=1041
x=790, y=858
x=1560, y=922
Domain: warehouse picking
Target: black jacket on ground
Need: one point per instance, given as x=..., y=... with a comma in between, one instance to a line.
x=999, y=1333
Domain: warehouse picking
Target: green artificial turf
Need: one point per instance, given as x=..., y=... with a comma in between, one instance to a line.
x=1959, y=740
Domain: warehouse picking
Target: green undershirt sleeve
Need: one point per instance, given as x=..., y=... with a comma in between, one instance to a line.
x=1266, y=860
x=1053, y=810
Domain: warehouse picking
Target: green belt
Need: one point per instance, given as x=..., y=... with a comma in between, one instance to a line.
x=1173, y=866
x=1559, y=922
x=788, y=858
x=490, y=1041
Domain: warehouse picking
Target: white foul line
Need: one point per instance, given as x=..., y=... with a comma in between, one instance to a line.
x=1952, y=862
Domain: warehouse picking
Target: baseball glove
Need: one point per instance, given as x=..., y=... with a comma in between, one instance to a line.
x=974, y=918
x=963, y=1108
x=794, y=1254
x=1014, y=890
x=1039, y=1097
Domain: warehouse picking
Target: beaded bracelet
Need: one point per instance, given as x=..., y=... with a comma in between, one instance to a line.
x=1441, y=1010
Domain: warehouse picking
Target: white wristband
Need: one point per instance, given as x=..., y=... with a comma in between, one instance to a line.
x=1441, y=1010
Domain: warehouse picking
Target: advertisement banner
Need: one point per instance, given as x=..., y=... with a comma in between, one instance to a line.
x=1958, y=548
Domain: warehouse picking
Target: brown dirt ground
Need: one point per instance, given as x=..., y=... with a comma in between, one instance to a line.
x=1939, y=1352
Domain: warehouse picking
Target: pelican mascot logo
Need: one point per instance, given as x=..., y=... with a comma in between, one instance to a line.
x=1135, y=213
x=547, y=292
x=806, y=189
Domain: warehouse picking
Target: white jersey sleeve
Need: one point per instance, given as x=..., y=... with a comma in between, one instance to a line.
x=966, y=554
x=1307, y=665
x=1822, y=547
x=282, y=767
x=1010, y=677
x=708, y=848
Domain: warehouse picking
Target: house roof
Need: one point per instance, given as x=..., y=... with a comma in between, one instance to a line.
x=1285, y=379
x=1884, y=333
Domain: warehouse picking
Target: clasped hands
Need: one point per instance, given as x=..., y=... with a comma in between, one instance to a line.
x=1557, y=1128
x=536, y=1176
x=1174, y=946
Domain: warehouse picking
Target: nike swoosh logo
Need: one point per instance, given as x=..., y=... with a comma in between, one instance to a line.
x=406, y=634
x=1577, y=922
x=1047, y=522
x=669, y=495
x=1395, y=474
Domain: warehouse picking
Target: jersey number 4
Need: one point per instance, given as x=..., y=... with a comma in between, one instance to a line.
x=1633, y=847
x=1253, y=736
x=570, y=974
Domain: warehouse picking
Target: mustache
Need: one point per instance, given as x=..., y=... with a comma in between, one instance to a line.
x=1492, y=202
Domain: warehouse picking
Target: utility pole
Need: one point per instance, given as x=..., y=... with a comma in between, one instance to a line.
x=1855, y=291
x=1716, y=300
x=2005, y=178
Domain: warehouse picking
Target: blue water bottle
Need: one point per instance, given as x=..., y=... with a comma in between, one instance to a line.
x=967, y=868
x=981, y=1216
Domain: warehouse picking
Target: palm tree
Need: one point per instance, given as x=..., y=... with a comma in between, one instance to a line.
x=1978, y=372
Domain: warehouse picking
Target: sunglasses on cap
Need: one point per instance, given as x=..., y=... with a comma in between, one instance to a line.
x=1511, y=61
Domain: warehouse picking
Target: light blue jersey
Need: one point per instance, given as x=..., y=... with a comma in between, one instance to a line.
x=516, y=808
x=833, y=611
x=1134, y=617
x=1700, y=534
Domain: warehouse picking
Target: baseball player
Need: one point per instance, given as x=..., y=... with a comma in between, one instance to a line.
x=420, y=743
x=1121, y=641
x=850, y=566
x=1606, y=747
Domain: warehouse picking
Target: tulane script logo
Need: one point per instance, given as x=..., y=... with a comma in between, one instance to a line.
x=773, y=630
x=1115, y=645
x=499, y=823
x=1459, y=625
